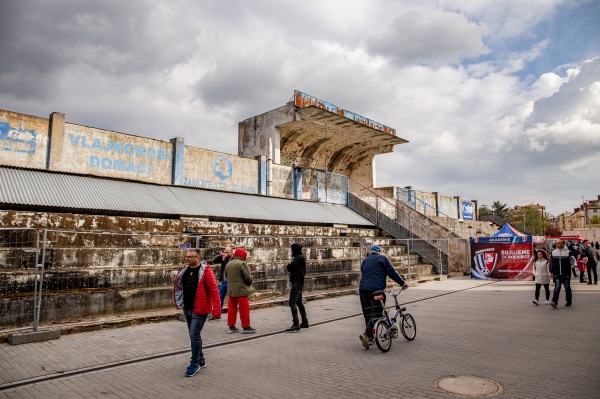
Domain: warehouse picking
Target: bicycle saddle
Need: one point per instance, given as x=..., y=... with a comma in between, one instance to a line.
x=377, y=295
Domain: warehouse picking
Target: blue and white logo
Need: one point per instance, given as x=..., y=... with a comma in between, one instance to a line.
x=17, y=139
x=222, y=167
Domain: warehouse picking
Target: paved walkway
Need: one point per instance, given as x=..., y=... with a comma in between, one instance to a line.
x=465, y=327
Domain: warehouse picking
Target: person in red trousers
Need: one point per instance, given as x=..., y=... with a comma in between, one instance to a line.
x=239, y=280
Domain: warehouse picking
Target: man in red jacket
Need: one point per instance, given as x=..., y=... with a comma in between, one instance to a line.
x=196, y=292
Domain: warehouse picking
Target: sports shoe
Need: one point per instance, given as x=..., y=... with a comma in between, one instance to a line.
x=202, y=363
x=294, y=328
x=553, y=304
x=365, y=340
x=192, y=369
x=535, y=302
x=232, y=329
x=248, y=330
x=547, y=302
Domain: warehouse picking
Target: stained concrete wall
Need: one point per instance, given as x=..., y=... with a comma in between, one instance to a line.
x=130, y=267
x=23, y=140
x=254, y=133
x=283, y=181
x=215, y=170
x=106, y=153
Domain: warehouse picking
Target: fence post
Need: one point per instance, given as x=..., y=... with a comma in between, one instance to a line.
x=37, y=301
x=408, y=258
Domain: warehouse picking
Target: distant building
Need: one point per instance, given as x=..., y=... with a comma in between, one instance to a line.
x=540, y=208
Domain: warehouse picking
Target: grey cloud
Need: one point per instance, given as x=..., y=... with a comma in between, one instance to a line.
x=429, y=36
x=118, y=37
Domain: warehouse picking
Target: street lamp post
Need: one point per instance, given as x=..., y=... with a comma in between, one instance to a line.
x=584, y=212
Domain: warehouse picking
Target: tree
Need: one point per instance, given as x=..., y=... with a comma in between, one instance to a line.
x=552, y=230
x=595, y=220
x=500, y=209
x=484, y=210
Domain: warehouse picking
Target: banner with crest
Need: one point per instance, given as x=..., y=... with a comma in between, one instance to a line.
x=501, y=258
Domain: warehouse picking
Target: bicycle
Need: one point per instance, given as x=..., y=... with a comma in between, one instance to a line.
x=385, y=329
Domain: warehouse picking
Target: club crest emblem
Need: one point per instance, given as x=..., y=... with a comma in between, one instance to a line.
x=222, y=168
x=485, y=262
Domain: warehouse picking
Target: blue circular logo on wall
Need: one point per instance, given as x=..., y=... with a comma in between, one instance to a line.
x=222, y=167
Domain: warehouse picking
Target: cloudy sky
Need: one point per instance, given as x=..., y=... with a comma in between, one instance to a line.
x=500, y=100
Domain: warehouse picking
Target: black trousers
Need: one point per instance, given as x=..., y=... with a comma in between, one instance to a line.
x=371, y=308
x=546, y=288
x=296, y=302
x=590, y=270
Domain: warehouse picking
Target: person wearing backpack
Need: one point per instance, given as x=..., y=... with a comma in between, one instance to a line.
x=592, y=261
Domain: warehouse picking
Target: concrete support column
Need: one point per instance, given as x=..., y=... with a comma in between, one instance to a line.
x=476, y=210
x=262, y=174
x=459, y=209
x=437, y=203
x=56, y=133
x=270, y=169
x=178, y=161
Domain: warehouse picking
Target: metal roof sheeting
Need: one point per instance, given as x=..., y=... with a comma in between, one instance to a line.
x=40, y=188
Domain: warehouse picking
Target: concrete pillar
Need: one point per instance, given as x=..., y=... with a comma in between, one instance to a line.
x=178, y=161
x=459, y=210
x=437, y=203
x=476, y=210
x=270, y=169
x=262, y=174
x=56, y=134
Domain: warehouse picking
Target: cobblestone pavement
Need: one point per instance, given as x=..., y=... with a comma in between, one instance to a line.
x=465, y=327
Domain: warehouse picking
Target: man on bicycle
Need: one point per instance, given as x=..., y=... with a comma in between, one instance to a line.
x=373, y=273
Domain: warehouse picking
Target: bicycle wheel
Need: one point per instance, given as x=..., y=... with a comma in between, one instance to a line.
x=382, y=338
x=408, y=327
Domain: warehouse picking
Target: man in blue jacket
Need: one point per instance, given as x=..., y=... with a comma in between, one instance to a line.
x=374, y=271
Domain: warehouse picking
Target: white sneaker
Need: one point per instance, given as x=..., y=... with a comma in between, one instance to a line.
x=546, y=303
x=535, y=302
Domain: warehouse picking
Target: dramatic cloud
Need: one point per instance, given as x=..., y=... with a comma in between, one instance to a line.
x=499, y=100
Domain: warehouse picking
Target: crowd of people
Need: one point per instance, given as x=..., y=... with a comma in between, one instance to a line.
x=201, y=293
x=559, y=265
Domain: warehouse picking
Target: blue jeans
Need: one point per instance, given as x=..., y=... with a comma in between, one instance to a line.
x=195, y=323
x=222, y=293
x=558, y=281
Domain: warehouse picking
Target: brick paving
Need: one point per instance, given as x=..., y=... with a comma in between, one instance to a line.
x=464, y=327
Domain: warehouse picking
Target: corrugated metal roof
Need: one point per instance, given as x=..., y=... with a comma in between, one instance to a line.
x=40, y=188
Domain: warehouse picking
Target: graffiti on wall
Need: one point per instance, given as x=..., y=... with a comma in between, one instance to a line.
x=108, y=154
x=17, y=139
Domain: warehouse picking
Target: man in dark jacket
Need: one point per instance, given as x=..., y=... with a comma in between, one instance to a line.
x=374, y=271
x=561, y=272
x=297, y=270
x=592, y=261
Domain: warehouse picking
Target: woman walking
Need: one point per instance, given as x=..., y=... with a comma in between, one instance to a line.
x=541, y=275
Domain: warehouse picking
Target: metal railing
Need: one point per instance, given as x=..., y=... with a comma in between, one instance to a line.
x=407, y=223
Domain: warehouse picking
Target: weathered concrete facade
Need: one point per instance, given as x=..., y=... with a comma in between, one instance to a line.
x=312, y=133
x=103, y=265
